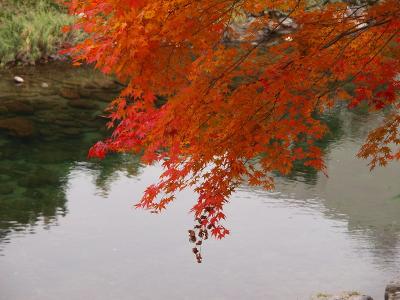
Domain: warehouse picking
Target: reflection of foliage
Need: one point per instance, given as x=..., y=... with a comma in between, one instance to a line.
x=34, y=170
x=342, y=124
x=33, y=191
x=334, y=122
x=105, y=172
x=63, y=129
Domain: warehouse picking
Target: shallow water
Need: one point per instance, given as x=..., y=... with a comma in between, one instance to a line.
x=68, y=229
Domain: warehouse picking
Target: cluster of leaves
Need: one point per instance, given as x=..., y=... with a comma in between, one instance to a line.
x=237, y=112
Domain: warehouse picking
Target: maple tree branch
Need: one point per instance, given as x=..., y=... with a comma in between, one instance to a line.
x=250, y=51
x=363, y=67
x=229, y=10
x=338, y=56
x=377, y=53
x=350, y=32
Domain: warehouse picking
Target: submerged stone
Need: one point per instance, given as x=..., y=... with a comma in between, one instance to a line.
x=71, y=131
x=69, y=93
x=82, y=104
x=19, y=127
x=85, y=93
x=45, y=104
x=103, y=97
x=19, y=107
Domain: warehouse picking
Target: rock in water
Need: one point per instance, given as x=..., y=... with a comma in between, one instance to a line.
x=44, y=85
x=19, y=107
x=18, y=127
x=69, y=93
x=18, y=79
x=83, y=104
x=392, y=291
x=360, y=297
x=343, y=296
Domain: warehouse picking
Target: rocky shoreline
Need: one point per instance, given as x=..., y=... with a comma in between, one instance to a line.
x=392, y=292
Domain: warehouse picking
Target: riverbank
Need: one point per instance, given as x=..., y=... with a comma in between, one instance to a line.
x=30, y=31
x=54, y=99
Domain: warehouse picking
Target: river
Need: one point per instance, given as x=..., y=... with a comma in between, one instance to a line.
x=68, y=229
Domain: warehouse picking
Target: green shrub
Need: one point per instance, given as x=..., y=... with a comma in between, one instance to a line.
x=30, y=30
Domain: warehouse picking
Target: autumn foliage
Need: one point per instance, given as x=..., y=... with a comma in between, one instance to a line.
x=244, y=83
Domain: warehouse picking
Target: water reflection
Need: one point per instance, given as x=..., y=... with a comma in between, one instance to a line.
x=47, y=125
x=334, y=233
x=34, y=180
x=367, y=201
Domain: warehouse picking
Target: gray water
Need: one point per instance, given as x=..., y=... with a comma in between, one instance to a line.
x=68, y=229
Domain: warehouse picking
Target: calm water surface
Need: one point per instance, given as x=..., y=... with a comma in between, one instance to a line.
x=68, y=229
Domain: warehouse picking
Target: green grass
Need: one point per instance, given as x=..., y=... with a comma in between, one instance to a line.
x=30, y=31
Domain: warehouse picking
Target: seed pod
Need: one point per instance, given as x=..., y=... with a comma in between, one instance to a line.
x=195, y=250
x=199, y=243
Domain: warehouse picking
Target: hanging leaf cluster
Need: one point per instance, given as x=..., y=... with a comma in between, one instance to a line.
x=223, y=92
